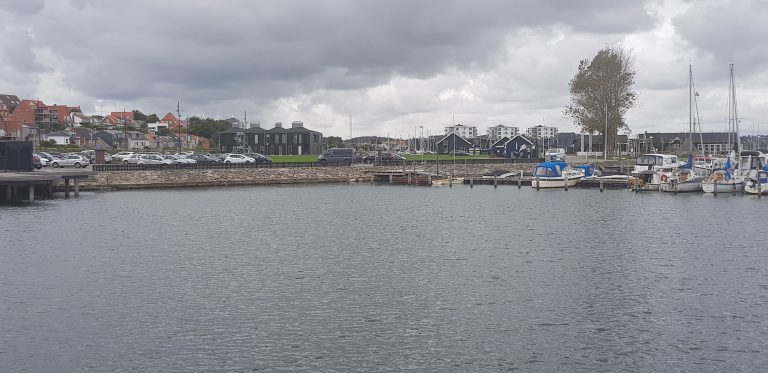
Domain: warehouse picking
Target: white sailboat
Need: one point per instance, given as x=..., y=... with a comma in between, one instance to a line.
x=727, y=180
x=685, y=179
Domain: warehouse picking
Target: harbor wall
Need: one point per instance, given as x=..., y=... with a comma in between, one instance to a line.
x=179, y=178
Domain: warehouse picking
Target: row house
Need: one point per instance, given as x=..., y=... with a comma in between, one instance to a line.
x=296, y=140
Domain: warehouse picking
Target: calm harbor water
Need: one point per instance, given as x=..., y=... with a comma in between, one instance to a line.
x=358, y=278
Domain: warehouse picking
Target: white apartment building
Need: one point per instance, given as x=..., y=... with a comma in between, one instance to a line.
x=466, y=132
x=497, y=132
x=542, y=132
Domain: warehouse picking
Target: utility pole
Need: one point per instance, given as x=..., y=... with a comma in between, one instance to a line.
x=178, y=117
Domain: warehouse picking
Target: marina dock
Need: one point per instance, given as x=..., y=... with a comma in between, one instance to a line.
x=20, y=187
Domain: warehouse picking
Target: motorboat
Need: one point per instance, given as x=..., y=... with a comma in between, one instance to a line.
x=650, y=169
x=685, y=179
x=757, y=184
x=555, y=175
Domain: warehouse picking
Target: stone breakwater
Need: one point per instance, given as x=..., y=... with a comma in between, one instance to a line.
x=180, y=178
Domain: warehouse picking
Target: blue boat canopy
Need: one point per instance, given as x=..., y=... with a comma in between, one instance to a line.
x=549, y=169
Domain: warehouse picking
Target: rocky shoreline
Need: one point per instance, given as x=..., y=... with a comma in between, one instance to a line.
x=191, y=178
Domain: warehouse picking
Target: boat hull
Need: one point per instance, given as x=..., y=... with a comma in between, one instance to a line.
x=722, y=187
x=553, y=182
x=752, y=187
x=690, y=186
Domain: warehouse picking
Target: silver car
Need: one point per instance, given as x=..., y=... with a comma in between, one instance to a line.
x=75, y=160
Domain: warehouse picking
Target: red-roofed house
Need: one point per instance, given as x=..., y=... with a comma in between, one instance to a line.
x=172, y=122
x=124, y=115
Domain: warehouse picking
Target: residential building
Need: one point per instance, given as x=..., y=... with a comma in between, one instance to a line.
x=136, y=140
x=276, y=141
x=113, y=138
x=498, y=147
x=541, y=132
x=452, y=142
x=61, y=138
x=519, y=147
x=123, y=115
x=466, y=132
x=156, y=126
x=674, y=142
x=172, y=122
x=84, y=137
x=499, y=131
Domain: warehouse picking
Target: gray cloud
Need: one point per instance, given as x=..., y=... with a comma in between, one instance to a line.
x=392, y=62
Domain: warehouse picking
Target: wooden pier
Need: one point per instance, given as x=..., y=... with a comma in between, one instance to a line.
x=20, y=187
x=407, y=177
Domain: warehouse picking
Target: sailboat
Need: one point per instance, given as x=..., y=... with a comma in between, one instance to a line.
x=727, y=180
x=684, y=179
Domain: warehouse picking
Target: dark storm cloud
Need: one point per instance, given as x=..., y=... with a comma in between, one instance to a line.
x=126, y=50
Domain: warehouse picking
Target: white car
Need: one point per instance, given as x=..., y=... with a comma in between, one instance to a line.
x=123, y=156
x=237, y=158
x=70, y=160
x=146, y=159
x=178, y=159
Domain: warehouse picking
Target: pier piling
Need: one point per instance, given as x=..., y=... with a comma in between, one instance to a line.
x=520, y=180
x=602, y=185
x=495, y=181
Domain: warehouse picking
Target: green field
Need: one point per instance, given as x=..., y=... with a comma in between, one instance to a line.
x=432, y=157
x=293, y=158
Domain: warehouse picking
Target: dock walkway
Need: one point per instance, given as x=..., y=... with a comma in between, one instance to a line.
x=16, y=187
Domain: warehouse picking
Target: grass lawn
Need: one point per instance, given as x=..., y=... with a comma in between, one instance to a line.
x=293, y=158
x=432, y=157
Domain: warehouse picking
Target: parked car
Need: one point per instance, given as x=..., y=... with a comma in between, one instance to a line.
x=385, y=157
x=42, y=160
x=177, y=159
x=555, y=155
x=36, y=161
x=46, y=156
x=75, y=160
x=122, y=156
x=259, y=158
x=458, y=153
x=237, y=158
x=91, y=155
x=202, y=159
x=337, y=155
x=359, y=157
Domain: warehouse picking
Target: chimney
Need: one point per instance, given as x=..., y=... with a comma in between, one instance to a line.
x=278, y=124
x=297, y=124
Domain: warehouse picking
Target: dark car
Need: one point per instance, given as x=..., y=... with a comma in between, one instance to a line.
x=385, y=157
x=202, y=159
x=36, y=162
x=359, y=157
x=259, y=158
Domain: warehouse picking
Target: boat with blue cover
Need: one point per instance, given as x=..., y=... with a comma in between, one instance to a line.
x=555, y=175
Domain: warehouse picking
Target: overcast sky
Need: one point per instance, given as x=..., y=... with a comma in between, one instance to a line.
x=394, y=64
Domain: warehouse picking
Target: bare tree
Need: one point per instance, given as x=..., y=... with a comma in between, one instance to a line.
x=601, y=93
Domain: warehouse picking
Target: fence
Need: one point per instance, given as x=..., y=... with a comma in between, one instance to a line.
x=226, y=166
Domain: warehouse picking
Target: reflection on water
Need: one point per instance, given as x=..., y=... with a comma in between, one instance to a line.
x=380, y=278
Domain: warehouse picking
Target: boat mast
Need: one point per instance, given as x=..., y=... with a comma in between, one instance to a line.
x=735, y=110
x=690, y=109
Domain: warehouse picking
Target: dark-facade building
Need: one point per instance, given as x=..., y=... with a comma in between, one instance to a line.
x=451, y=142
x=296, y=140
x=519, y=147
x=672, y=142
